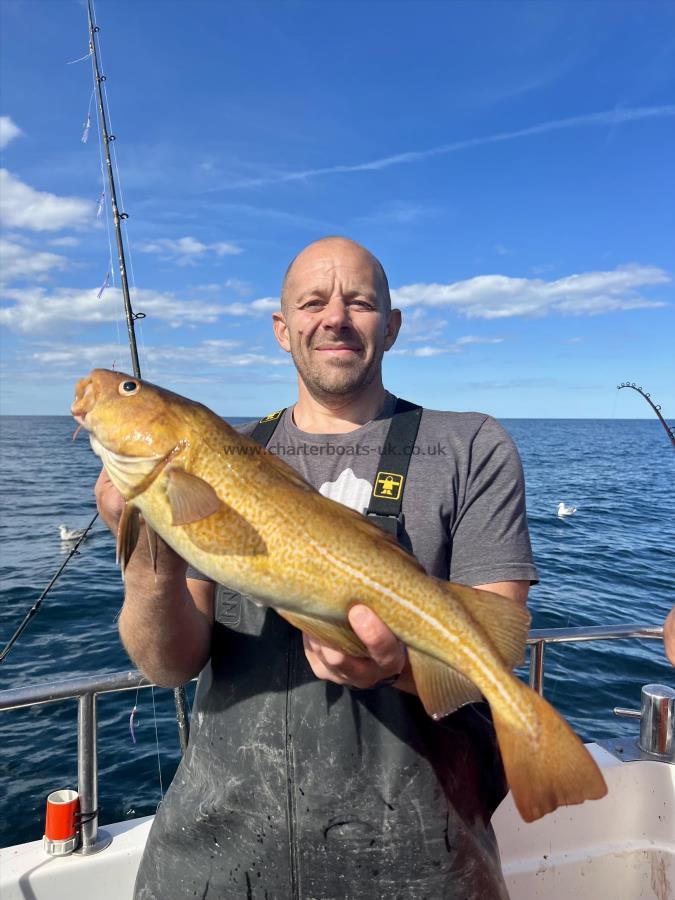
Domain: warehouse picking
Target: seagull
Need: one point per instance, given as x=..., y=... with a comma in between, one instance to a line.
x=566, y=510
x=70, y=534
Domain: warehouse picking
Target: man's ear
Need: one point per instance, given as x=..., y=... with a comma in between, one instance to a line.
x=280, y=329
x=393, y=327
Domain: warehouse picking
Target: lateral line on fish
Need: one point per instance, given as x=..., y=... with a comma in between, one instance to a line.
x=502, y=689
x=430, y=620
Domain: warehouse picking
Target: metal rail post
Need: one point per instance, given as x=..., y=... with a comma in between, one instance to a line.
x=91, y=840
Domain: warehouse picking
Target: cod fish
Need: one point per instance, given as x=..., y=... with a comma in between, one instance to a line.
x=246, y=519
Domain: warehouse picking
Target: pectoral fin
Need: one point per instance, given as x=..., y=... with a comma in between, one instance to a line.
x=337, y=634
x=127, y=535
x=190, y=497
x=441, y=688
x=211, y=524
x=152, y=546
x=128, y=532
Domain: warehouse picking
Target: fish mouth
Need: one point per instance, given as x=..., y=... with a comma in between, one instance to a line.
x=85, y=400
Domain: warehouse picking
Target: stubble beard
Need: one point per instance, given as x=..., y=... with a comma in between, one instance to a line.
x=337, y=378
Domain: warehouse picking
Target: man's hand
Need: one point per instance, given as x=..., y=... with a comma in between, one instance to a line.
x=109, y=501
x=110, y=504
x=166, y=622
x=388, y=658
x=669, y=635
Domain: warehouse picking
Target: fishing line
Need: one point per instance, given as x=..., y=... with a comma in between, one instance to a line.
x=132, y=717
x=131, y=317
x=130, y=257
x=139, y=316
x=32, y=612
x=616, y=397
x=73, y=61
x=38, y=603
x=159, y=759
x=111, y=266
x=87, y=123
x=132, y=734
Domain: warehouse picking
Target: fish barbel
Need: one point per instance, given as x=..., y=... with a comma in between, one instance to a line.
x=247, y=520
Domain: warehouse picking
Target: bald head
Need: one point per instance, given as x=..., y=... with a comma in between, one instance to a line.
x=338, y=247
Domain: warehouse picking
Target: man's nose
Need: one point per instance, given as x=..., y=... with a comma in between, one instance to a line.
x=336, y=314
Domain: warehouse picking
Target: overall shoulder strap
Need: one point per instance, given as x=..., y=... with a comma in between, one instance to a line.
x=386, y=498
x=265, y=427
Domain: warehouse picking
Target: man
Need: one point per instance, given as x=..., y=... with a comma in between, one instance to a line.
x=669, y=635
x=310, y=773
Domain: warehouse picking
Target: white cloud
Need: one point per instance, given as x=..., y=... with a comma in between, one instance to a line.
x=500, y=296
x=64, y=242
x=76, y=359
x=421, y=351
x=397, y=213
x=186, y=251
x=36, y=310
x=238, y=286
x=471, y=339
x=20, y=262
x=421, y=327
x=223, y=248
x=8, y=131
x=440, y=349
x=256, y=307
x=21, y=206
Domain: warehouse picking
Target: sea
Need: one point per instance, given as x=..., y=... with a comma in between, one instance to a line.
x=611, y=563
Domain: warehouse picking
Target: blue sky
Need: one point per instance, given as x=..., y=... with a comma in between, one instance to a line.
x=511, y=164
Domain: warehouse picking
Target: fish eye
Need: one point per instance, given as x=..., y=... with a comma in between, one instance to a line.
x=129, y=387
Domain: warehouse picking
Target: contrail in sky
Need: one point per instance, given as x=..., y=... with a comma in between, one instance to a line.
x=611, y=117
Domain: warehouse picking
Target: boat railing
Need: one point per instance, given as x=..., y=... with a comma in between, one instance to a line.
x=539, y=638
x=86, y=688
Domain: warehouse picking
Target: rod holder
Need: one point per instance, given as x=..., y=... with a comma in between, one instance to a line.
x=657, y=721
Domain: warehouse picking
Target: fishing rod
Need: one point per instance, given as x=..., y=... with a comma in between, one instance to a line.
x=118, y=217
x=131, y=317
x=657, y=409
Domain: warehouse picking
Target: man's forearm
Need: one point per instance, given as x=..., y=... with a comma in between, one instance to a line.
x=669, y=635
x=163, y=631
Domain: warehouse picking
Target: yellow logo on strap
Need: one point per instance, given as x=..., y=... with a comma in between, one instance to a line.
x=388, y=485
x=271, y=417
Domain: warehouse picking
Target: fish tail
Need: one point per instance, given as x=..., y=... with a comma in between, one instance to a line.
x=546, y=766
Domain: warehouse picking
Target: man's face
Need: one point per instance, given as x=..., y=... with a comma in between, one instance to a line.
x=333, y=321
